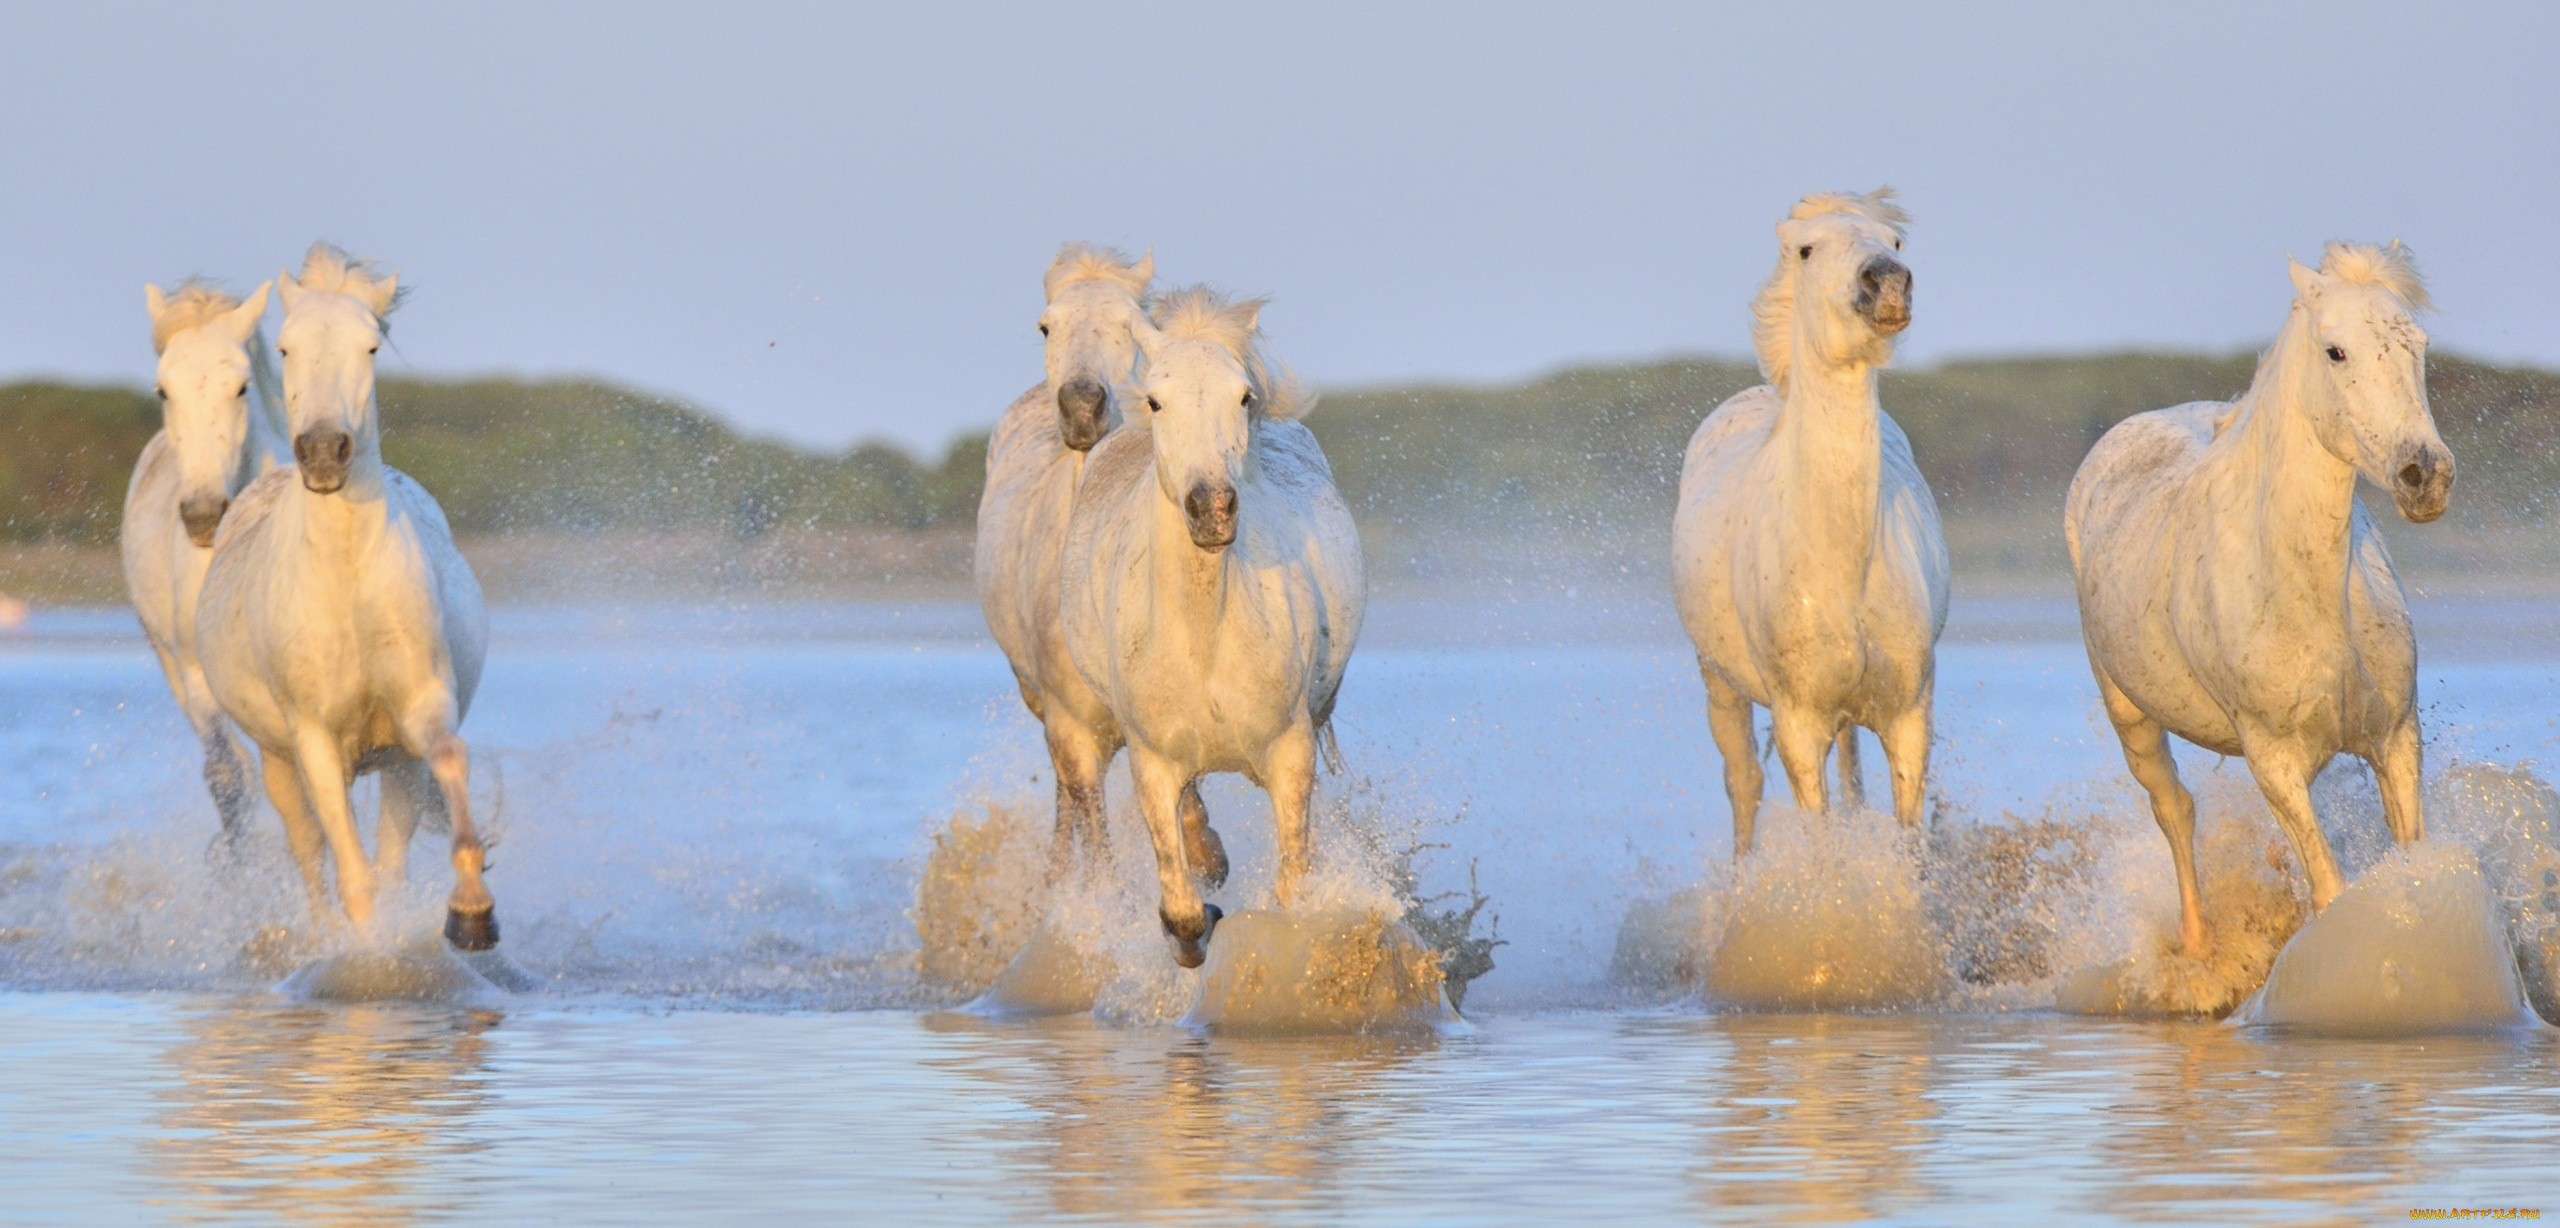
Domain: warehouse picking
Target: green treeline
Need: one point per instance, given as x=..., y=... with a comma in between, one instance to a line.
x=1586, y=449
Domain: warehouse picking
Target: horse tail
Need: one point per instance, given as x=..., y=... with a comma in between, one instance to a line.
x=1330, y=746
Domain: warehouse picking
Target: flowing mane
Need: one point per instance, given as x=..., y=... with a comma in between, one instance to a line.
x=1199, y=313
x=189, y=306
x=2392, y=268
x=1086, y=262
x=328, y=269
x=1773, y=314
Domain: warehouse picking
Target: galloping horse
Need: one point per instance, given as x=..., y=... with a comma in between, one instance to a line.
x=339, y=625
x=1807, y=559
x=1214, y=588
x=222, y=426
x=1036, y=460
x=2235, y=593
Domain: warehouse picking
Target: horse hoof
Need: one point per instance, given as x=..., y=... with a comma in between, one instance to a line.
x=1192, y=952
x=471, y=931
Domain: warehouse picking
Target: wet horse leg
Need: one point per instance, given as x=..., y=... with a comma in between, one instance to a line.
x=1729, y=716
x=1853, y=780
x=1187, y=918
x=471, y=916
x=1079, y=757
x=2284, y=775
x=2399, y=769
x=324, y=785
x=301, y=832
x=1200, y=841
x=1906, y=751
x=408, y=792
x=2146, y=751
x=1289, y=773
x=1804, y=739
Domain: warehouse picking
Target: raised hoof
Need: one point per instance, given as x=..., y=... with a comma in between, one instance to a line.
x=1193, y=952
x=471, y=931
x=1209, y=853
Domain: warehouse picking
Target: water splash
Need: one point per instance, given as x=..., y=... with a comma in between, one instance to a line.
x=2413, y=946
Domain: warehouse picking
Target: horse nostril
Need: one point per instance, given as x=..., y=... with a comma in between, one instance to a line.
x=2412, y=474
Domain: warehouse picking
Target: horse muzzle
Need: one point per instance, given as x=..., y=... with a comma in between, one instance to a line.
x=1084, y=413
x=1210, y=510
x=323, y=457
x=202, y=514
x=1884, y=294
x=2423, y=485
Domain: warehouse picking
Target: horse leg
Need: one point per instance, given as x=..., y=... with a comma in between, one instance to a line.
x=1187, y=918
x=1200, y=841
x=470, y=915
x=226, y=777
x=1853, y=781
x=2399, y=768
x=1906, y=751
x=1804, y=743
x=1079, y=759
x=324, y=786
x=301, y=831
x=407, y=792
x=2146, y=751
x=1729, y=715
x=2284, y=777
x=1289, y=773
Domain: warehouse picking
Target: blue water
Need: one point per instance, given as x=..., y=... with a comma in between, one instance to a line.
x=710, y=824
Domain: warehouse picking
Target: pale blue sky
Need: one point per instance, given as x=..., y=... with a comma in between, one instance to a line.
x=829, y=222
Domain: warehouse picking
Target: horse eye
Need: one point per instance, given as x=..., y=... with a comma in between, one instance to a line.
x=1247, y=402
x=164, y=393
x=1153, y=407
x=2336, y=354
x=244, y=391
x=1044, y=330
x=282, y=352
x=373, y=349
x=1805, y=252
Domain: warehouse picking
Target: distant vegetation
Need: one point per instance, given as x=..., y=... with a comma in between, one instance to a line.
x=1579, y=466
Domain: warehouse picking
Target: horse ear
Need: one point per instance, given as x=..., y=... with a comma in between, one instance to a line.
x=289, y=289
x=1252, y=309
x=1146, y=267
x=1149, y=336
x=155, y=300
x=385, y=293
x=246, y=317
x=2305, y=282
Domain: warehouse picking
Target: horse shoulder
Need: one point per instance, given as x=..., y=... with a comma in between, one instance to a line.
x=146, y=541
x=1910, y=536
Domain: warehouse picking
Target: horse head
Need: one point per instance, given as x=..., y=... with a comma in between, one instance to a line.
x=334, y=322
x=1841, y=293
x=203, y=336
x=2365, y=351
x=1095, y=297
x=1205, y=385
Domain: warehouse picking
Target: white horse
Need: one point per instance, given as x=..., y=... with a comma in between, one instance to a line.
x=1096, y=298
x=222, y=426
x=1214, y=589
x=2235, y=593
x=339, y=625
x=1807, y=559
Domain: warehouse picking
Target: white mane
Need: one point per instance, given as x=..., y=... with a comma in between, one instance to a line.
x=1773, y=314
x=328, y=269
x=1199, y=313
x=194, y=302
x=2391, y=268
x=1086, y=262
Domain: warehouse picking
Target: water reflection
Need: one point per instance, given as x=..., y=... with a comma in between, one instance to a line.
x=1816, y=1119
x=318, y=1114
x=1136, y=1124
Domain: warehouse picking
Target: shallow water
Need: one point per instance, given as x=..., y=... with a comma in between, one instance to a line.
x=712, y=821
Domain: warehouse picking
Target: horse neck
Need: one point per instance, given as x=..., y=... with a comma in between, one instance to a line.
x=2295, y=498
x=1830, y=438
